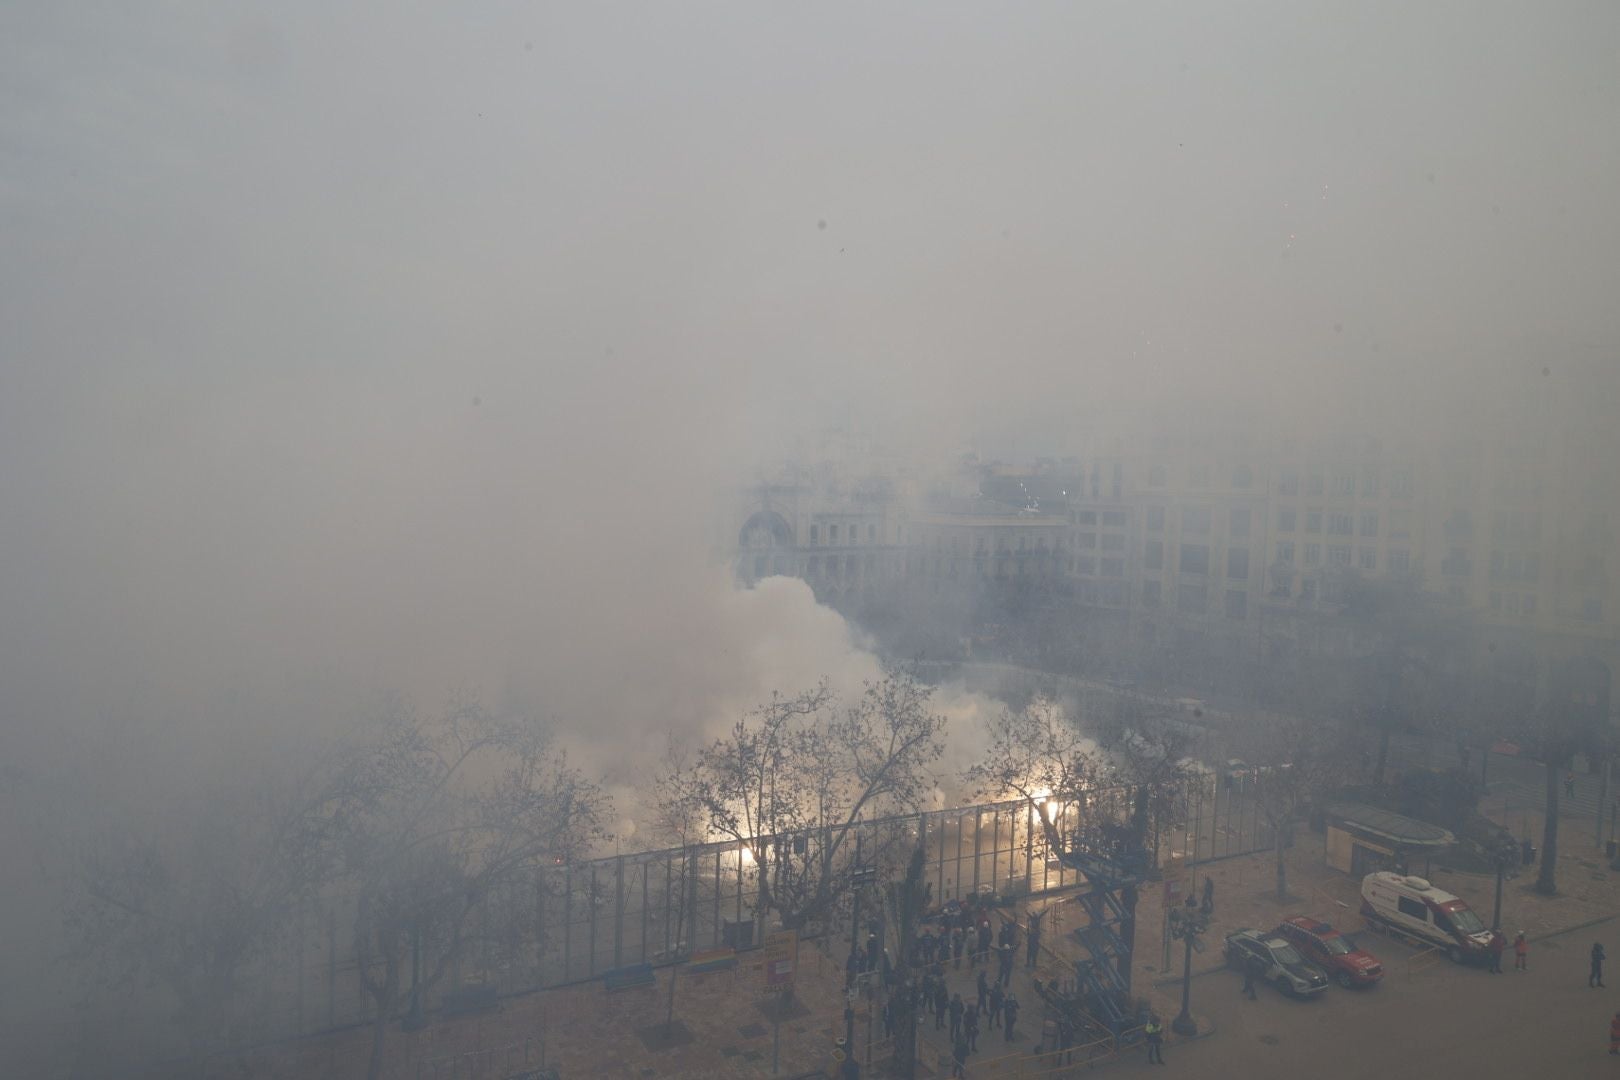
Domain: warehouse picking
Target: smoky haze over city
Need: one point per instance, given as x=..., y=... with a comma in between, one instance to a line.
x=380, y=372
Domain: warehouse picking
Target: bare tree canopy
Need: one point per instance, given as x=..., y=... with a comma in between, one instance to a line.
x=1037, y=753
x=1294, y=762
x=801, y=771
x=425, y=819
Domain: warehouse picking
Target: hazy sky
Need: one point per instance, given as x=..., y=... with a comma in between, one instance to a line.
x=406, y=344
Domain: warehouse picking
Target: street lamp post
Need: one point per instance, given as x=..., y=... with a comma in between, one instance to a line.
x=1187, y=925
x=1506, y=850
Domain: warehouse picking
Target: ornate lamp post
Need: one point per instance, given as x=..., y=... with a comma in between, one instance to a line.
x=1187, y=925
x=1505, y=853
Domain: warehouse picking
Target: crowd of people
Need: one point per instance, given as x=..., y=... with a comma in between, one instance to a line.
x=947, y=937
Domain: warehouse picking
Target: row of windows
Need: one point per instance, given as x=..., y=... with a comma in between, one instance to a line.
x=850, y=563
x=1335, y=523
x=1004, y=542
x=1515, y=566
x=1397, y=560
x=1514, y=603
x=1200, y=520
x=853, y=533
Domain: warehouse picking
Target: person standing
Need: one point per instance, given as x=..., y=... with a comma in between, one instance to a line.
x=1208, y=904
x=995, y=1005
x=983, y=954
x=1498, y=945
x=959, y=1053
x=1614, y=1034
x=958, y=942
x=970, y=1026
x=957, y=1008
x=1155, y=1040
x=1033, y=938
x=984, y=990
x=942, y=1002
x=1005, y=953
x=1249, y=965
x=1521, y=953
x=1009, y=1010
x=1595, y=978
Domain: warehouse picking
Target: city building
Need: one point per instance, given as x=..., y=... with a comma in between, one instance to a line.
x=1218, y=551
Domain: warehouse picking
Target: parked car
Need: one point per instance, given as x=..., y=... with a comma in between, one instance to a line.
x=1411, y=906
x=1347, y=963
x=1276, y=962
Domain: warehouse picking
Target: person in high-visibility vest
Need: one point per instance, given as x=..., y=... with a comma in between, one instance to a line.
x=1155, y=1041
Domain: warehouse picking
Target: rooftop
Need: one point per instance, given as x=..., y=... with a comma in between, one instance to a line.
x=1389, y=825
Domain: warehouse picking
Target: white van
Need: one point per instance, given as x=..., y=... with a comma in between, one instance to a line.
x=1415, y=908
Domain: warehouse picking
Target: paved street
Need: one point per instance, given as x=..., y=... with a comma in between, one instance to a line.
x=1438, y=1020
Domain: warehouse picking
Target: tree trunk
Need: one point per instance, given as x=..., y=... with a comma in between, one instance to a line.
x=379, y=1030
x=1282, y=864
x=386, y=997
x=687, y=906
x=1547, y=879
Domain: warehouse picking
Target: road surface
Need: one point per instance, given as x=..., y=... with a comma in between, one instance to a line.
x=1436, y=1020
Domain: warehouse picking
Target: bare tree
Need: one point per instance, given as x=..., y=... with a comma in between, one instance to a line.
x=1038, y=754
x=189, y=908
x=676, y=816
x=793, y=778
x=424, y=821
x=1410, y=671
x=1295, y=761
x=1151, y=755
x=1573, y=721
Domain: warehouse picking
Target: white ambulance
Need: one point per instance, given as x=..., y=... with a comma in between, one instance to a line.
x=1412, y=907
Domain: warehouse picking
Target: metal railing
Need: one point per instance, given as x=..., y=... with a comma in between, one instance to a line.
x=569, y=924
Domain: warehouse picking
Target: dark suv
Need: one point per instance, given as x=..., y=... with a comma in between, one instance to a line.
x=1348, y=964
x=1275, y=961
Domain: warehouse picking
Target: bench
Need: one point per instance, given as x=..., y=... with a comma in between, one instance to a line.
x=628, y=978
x=711, y=960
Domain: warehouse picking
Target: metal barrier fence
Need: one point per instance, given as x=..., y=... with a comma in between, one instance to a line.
x=571, y=923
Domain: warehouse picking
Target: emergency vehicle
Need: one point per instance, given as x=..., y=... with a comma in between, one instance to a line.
x=1412, y=907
